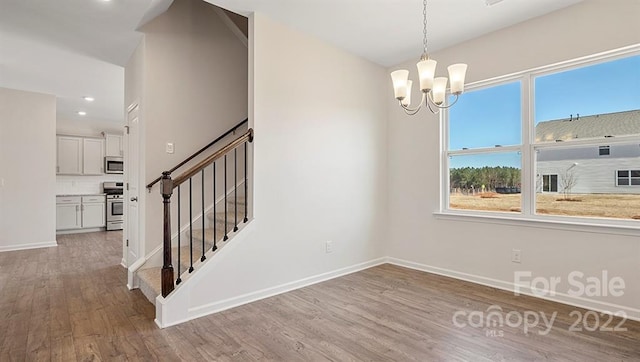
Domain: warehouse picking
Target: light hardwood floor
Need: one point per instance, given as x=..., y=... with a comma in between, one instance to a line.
x=70, y=303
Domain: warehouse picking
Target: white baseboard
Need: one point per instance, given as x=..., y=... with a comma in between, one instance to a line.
x=132, y=280
x=46, y=244
x=137, y=264
x=222, y=305
x=598, y=306
x=219, y=306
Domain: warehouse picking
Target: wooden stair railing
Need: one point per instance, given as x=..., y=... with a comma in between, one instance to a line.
x=232, y=130
x=169, y=184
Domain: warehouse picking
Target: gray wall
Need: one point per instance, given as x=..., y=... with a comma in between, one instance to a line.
x=593, y=175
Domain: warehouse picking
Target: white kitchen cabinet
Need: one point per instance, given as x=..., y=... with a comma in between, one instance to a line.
x=94, y=211
x=80, y=156
x=113, y=145
x=80, y=212
x=69, y=153
x=92, y=156
x=68, y=214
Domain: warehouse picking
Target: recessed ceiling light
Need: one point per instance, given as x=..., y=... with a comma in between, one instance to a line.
x=88, y=99
x=82, y=113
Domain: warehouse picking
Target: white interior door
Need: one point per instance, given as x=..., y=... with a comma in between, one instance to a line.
x=132, y=173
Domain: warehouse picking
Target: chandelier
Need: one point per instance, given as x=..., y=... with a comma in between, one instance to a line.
x=434, y=89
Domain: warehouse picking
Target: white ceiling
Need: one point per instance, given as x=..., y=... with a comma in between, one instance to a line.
x=73, y=48
x=389, y=32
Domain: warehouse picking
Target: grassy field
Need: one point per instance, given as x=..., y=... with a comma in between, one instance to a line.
x=590, y=205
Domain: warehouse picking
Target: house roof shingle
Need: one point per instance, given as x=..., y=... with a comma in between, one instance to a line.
x=595, y=126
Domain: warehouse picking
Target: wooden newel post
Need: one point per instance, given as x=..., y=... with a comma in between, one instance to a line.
x=167, y=268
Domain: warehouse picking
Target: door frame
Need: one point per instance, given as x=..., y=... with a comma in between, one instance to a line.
x=134, y=265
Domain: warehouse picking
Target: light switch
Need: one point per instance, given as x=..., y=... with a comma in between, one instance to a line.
x=169, y=147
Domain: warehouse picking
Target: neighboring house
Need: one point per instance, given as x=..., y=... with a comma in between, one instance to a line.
x=609, y=167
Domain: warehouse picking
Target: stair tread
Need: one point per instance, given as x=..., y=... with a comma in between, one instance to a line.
x=184, y=257
x=150, y=279
x=231, y=214
x=208, y=235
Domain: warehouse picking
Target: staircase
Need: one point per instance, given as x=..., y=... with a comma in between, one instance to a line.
x=215, y=188
x=149, y=280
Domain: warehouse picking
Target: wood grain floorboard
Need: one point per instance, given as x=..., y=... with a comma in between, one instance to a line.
x=70, y=303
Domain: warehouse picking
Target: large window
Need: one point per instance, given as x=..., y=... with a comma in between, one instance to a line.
x=553, y=142
x=484, y=172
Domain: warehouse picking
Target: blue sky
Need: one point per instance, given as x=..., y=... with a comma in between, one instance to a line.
x=490, y=117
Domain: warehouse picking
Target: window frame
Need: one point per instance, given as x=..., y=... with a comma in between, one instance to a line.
x=528, y=149
x=629, y=178
x=550, y=175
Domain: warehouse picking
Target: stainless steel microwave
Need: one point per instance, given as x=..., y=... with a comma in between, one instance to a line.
x=113, y=165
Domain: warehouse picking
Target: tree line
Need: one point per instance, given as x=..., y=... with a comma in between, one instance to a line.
x=489, y=177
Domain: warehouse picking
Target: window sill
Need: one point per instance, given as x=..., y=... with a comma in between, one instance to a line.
x=600, y=226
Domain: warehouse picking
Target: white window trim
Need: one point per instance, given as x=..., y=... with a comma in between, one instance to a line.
x=557, y=178
x=570, y=223
x=629, y=177
x=528, y=216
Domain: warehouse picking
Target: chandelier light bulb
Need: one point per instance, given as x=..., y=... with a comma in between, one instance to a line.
x=426, y=71
x=457, y=73
x=407, y=100
x=400, y=78
x=439, y=90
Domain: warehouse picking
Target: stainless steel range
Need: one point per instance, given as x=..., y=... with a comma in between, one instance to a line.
x=115, y=204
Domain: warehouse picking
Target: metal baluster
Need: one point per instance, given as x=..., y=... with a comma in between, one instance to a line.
x=215, y=226
x=202, y=258
x=235, y=189
x=226, y=237
x=246, y=197
x=190, y=225
x=179, y=280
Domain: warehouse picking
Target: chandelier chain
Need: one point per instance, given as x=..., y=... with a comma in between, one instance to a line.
x=424, y=23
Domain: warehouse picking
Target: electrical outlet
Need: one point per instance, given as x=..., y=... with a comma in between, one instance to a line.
x=516, y=255
x=170, y=147
x=328, y=246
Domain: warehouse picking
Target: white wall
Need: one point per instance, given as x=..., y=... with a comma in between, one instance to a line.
x=320, y=168
x=27, y=170
x=193, y=88
x=480, y=250
x=88, y=127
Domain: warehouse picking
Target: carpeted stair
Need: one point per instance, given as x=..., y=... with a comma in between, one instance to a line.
x=149, y=279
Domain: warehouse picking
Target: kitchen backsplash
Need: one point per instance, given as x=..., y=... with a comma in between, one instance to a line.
x=69, y=185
